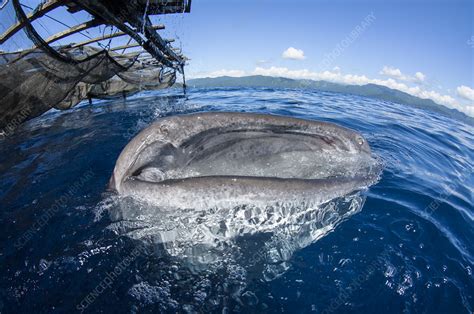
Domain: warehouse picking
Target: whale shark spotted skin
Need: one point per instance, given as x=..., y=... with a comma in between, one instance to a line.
x=224, y=159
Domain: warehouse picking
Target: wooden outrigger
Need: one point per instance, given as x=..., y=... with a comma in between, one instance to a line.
x=40, y=11
x=74, y=30
x=124, y=47
x=128, y=23
x=110, y=36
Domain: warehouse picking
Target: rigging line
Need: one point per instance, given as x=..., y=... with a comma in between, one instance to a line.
x=39, y=22
x=128, y=42
x=86, y=30
x=47, y=31
x=54, y=19
x=107, y=46
x=12, y=39
x=77, y=23
x=111, y=38
x=64, y=24
x=36, y=38
x=98, y=42
x=144, y=16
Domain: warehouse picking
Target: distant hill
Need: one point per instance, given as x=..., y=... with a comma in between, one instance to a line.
x=369, y=90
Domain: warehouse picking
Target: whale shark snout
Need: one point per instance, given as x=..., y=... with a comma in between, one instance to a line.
x=226, y=159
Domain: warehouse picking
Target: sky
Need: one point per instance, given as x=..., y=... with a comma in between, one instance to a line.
x=425, y=48
x=422, y=47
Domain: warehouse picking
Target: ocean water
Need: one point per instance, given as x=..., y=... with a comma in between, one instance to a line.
x=402, y=245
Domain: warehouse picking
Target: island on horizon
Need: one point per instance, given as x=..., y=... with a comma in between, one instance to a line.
x=368, y=90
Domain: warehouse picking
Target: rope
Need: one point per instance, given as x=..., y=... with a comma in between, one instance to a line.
x=54, y=19
x=144, y=16
x=184, y=80
x=64, y=24
x=35, y=37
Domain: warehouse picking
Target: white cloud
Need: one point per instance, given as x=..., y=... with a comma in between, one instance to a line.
x=397, y=74
x=336, y=76
x=283, y=72
x=392, y=72
x=233, y=73
x=466, y=92
x=352, y=79
x=420, y=76
x=294, y=54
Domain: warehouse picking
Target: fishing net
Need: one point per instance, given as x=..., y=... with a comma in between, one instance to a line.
x=38, y=77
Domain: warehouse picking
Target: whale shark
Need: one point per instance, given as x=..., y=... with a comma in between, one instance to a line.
x=203, y=186
x=227, y=159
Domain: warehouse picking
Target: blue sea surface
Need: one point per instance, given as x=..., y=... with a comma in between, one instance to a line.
x=409, y=249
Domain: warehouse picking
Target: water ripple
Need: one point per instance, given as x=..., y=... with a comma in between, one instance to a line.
x=408, y=249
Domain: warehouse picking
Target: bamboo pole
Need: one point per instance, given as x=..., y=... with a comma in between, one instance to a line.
x=41, y=10
x=73, y=30
x=134, y=45
x=119, y=34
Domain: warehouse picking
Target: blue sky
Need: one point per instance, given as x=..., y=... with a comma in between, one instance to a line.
x=422, y=47
x=434, y=38
x=427, y=36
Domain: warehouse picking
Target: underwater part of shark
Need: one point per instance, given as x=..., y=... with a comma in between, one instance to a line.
x=223, y=159
x=202, y=185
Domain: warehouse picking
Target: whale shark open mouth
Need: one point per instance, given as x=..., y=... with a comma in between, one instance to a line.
x=228, y=159
x=205, y=179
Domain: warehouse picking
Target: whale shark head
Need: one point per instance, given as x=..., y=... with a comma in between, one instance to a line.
x=238, y=145
x=205, y=179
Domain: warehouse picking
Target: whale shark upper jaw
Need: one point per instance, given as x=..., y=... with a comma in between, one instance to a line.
x=203, y=155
